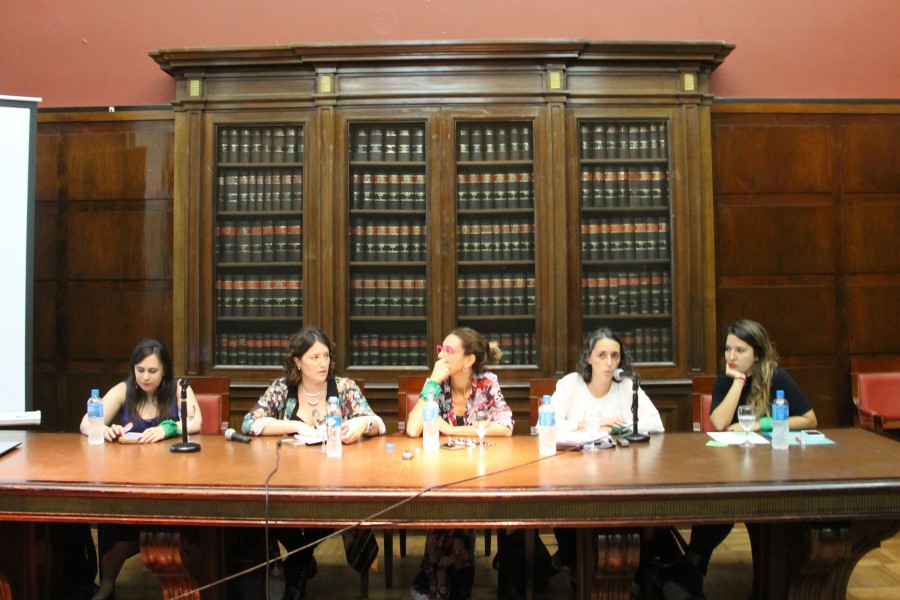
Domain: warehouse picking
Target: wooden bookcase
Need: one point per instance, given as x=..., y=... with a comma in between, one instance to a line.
x=532, y=190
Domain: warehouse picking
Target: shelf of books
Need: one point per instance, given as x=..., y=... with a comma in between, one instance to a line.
x=259, y=242
x=625, y=210
x=387, y=245
x=495, y=235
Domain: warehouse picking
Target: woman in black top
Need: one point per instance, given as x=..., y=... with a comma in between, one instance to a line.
x=751, y=377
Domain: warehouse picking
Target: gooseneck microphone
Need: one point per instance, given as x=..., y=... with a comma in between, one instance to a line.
x=234, y=436
x=184, y=445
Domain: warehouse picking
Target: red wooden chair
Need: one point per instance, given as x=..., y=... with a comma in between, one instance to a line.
x=701, y=402
x=214, y=399
x=876, y=393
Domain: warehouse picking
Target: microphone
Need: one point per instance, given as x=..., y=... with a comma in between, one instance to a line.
x=634, y=436
x=185, y=445
x=234, y=436
x=618, y=374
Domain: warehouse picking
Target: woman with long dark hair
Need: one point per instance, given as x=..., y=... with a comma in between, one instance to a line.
x=145, y=403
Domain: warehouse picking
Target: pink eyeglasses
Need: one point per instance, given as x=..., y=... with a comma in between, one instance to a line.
x=446, y=349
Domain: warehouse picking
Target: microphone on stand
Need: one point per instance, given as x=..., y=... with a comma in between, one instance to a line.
x=184, y=445
x=634, y=436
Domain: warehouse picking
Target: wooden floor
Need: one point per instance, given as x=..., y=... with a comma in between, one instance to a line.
x=877, y=575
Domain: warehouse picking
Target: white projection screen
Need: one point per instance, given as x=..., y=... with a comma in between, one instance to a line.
x=18, y=137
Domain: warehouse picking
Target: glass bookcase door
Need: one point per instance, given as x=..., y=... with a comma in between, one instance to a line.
x=388, y=248
x=495, y=235
x=625, y=209
x=258, y=241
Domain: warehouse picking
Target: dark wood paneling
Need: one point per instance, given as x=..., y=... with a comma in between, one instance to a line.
x=47, y=181
x=871, y=151
x=44, y=330
x=105, y=321
x=766, y=234
x=46, y=240
x=819, y=382
x=873, y=314
x=773, y=156
x=871, y=242
x=133, y=164
x=103, y=251
x=799, y=314
x=131, y=244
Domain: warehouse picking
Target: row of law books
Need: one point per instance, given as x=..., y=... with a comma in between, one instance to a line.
x=643, y=238
x=494, y=190
x=258, y=296
x=250, y=348
x=605, y=140
x=632, y=293
x=388, y=191
x=496, y=295
x=496, y=240
x=387, y=296
x=517, y=348
x=259, y=191
x=649, y=344
x=391, y=143
x=402, y=241
x=383, y=349
x=631, y=186
x=493, y=142
x=268, y=144
x=259, y=242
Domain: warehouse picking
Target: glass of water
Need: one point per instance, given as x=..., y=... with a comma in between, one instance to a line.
x=746, y=417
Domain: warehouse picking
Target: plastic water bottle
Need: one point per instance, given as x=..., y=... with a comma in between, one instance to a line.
x=95, y=418
x=333, y=420
x=546, y=427
x=431, y=435
x=780, y=415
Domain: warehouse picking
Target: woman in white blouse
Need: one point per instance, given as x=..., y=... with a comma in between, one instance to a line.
x=592, y=389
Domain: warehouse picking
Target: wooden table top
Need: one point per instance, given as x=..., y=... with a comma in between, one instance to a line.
x=675, y=478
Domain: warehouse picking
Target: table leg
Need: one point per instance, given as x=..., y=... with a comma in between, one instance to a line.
x=607, y=562
x=800, y=561
x=175, y=556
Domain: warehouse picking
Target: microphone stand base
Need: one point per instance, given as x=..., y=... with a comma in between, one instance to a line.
x=637, y=438
x=184, y=447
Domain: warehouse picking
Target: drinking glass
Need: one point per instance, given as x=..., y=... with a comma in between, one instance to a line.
x=191, y=414
x=482, y=422
x=746, y=418
x=592, y=425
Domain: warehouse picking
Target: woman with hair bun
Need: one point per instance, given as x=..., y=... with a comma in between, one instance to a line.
x=461, y=387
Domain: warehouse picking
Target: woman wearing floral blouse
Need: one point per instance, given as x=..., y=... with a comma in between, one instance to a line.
x=461, y=387
x=295, y=404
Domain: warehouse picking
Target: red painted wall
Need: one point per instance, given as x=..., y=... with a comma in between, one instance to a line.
x=93, y=53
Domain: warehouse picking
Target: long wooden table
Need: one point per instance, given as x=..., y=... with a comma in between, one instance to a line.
x=821, y=507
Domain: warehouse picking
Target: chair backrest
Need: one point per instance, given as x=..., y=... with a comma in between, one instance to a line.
x=536, y=390
x=872, y=388
x=408, y=388
x=214, y=398
x=701, y=402
x=878, y=399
